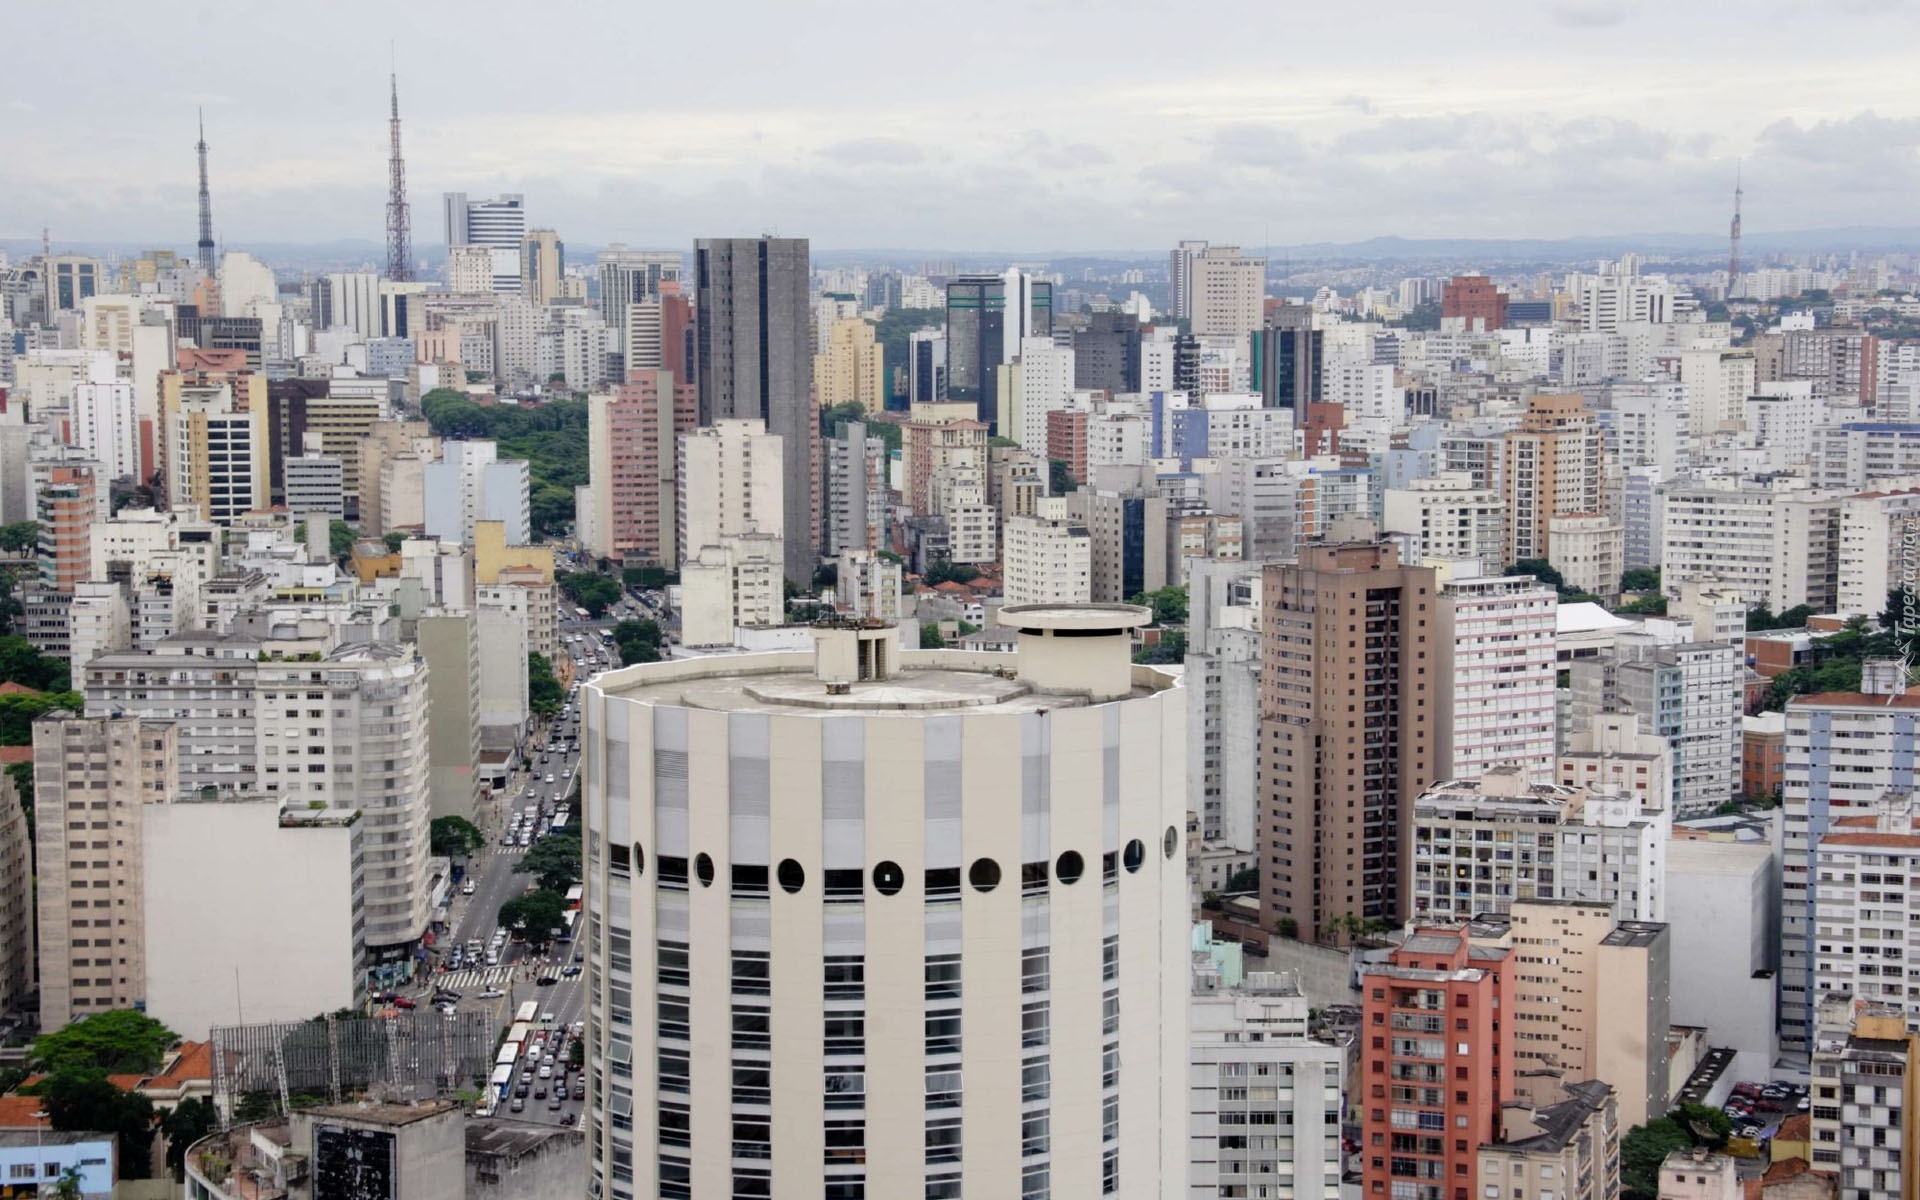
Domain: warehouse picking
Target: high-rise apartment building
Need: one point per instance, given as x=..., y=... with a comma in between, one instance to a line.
x=633, y=443
x=67, y=505
x=1856, y=917
x=1349, y=737
x=729, y=480
x=1569, y=1147
x=350, y=731
x=1227, y=292
x=1475, y=300
x=1047, y=558
x=1866, y=1076
x=214, y=450
x=869, y=586
x=857, y=490
x=1180, y=277
x=1494, y=643
x=1446, y=516
x=1688, y=693
x=1555, y=843
x=937, y=440
x=543, y=266
x=1554, y=465
x=1434, y=1078
x=756, y=363
x=18, y=897
x=1252, y=1069
x=499, y=224
x=852, y=370
x=1106, y=353
x=470, y=483
x=1843, y=749
x=1592, y=1000
x=869, y=857
x=107, y=426
x=96, y=774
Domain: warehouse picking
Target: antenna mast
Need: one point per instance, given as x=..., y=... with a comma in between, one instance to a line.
x=206, y=204
x=399, y=221
x=1733, y=240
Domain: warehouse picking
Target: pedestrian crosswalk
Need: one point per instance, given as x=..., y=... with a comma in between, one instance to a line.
x=473, y=977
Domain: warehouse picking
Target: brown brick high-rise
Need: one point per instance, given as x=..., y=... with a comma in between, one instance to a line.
x=1348, y=733
x=1474, y=297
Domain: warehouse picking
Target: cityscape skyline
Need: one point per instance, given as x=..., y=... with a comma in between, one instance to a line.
x=1415, y=130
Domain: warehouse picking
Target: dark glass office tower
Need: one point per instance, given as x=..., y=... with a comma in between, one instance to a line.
x=1286, y=359
x=755, y=353
x=987, y=316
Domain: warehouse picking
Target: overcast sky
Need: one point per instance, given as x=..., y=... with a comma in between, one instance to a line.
x=1048, y=126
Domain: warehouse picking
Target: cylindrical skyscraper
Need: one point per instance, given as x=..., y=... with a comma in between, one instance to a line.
x=865, y=923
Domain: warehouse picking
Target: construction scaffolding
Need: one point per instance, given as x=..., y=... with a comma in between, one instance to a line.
x=410, y=1056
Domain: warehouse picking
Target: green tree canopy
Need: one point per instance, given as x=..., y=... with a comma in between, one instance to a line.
x=930, y=638
x=555, y=859
x=190, y=1120
x=595, y=593
x=118, y=1042
x=17, y=714
x=542, y=911
x=83, y=1100
x=453, y=836
x=1169, y=604
x=544, y=693
x=1540, y=569
x=551, y=437
x=638, y=641
x=648, y=578
x=394, y=541
x=948, y=572
x=1640, y=579
x=1172, y=648
x=340, y=539
x=20, y=537
x=20, y=663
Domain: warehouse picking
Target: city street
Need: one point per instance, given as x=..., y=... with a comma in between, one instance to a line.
x=475, y=917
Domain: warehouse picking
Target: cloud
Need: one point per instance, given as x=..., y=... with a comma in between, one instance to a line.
x=874, y=151
x=1255, y=145
x=1860, y=136
x=1363, y=104
x=1590, y=14
x=22, y=106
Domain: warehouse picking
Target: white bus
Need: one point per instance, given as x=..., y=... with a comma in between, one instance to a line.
x=528, y=1014
x=502, y=1080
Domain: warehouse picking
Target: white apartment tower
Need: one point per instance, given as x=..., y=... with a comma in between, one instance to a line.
x=96, y=774
x=1448, y=517
x=1047, y=558
x=1844, y=751
x=886, y=923
x=1263, y=1098
x=1496, y=646
x=729, y=484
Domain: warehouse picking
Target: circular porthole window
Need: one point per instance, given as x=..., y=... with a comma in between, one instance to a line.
x=1171, y=842
x=792, y=876
x=1134, y=855
x=888, y=878
x=703, y=869
x=1069, y=867
x=984, y=875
